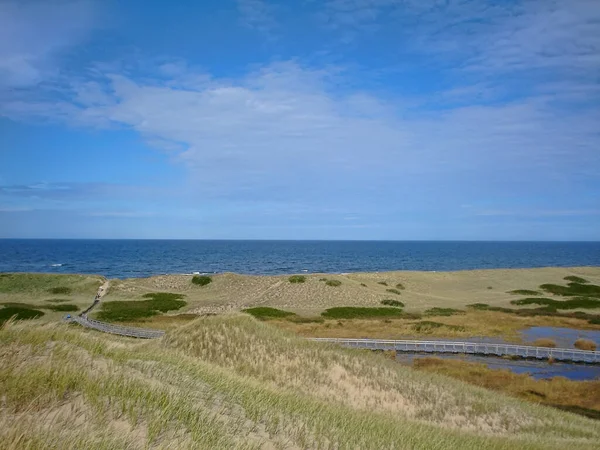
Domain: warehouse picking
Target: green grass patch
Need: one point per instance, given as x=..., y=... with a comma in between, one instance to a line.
x=19, y=313
x=575, y=279
x=575, y=303
x=524, y=292
x=201, y=280
x=572, y=289
x=426, y=325
x=39, y=283
x=65, y=307
x=390, y=302
x=266, y=313
x=442, y=312
x=334, y=283
x=479, y=306
x=57, y=300
x=297, y=279
x=60, y=290
x=393, y=291
x=355, y=312
x=129, y=311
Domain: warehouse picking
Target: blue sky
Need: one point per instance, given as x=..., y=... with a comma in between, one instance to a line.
x=335, y=119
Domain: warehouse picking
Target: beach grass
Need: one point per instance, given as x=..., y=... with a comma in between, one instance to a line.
x=237, y=383
x=297, y=279
x=34, y=284
x=18, y=313
x=266, y=313
x=390, y=302
x=353, y=312
x=333, y=283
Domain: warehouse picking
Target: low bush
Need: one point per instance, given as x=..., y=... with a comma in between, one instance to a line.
x=400, y=286
x=553, y=305
x=60, y=290
x=334, y=283
x=383, y=283
x=266, y=313
x=58, y=300
x=201, y=280
x=524, y=292
x=572, y=289
x=297, y=279
x=363, y=284
x=390, y=302
x=63, y=307
x=544, y=342
x=585, y=344
x=156, y=303
x=479, y=306
x=442, y=312
x=393, y=291
x=19, y=313
x=355, y=312
x=575, y=279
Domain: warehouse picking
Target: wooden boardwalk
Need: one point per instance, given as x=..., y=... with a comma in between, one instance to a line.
x=472, y=348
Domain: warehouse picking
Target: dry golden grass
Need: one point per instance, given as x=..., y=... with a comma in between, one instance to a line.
x=556, y=391
x=544, y=342
x=585, y=344
x=233, y=382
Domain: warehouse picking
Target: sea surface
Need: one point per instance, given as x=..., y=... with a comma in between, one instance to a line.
x=142, y=258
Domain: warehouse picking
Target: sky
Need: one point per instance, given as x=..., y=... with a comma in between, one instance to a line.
x=306, y=119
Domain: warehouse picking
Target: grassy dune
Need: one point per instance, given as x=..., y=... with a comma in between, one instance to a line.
x=235, y=382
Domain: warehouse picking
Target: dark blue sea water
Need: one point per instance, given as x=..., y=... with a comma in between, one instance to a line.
x=140, y=258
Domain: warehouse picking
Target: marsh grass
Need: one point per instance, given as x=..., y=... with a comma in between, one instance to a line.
x=201, y=280
x=266, y=313
x=129, y=311
x=297, y=279
x=585, y=344
x=355, y=312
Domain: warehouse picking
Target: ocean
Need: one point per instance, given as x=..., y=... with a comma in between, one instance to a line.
x=142, y=258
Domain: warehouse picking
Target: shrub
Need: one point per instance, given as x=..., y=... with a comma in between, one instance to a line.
x=524, y=292
x=352, y=312
x=57, y=300
x=157, y=302
x=297, y=279
x=489, y=287
x=442, y=312
x=201, y=280
x=393, y=291
x=572, y=289
x=266, y=313
x=544, y=342
x=400, y=286
x=63, y=307
x=363, y=284
x=383, y=283
x=479, y=306
x=334, y=283
x=585, y=344
x=575, y=279
x=554, y=305
x=60, y=290
x=18, y=313
x=322, y=279
x=390, y=302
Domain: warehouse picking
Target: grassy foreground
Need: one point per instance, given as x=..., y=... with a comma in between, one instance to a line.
x=235, y=382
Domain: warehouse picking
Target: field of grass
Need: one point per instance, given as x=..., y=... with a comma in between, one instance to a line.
x=234, y=382
x=38, y=284
x=576, y=396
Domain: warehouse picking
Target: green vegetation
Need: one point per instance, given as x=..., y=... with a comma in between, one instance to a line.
x=572, y=289
x=442, y=312
x=60, y=290
x=65, y=307
x=548, y=311
x=363, y=284
x=383, y=283
x=41, y=284
x=479, y=306
x=129, y=311
x=201, y=280
x=297, y=279
x=490, y=287
x=334, y=283
x=524, y=292
x=575, y=303
x=393, y=291
x=390, y=302
x=299, y=319
x=266, y=313
x=57, y=300
x=237, y=383
x=400, y=286
x=575, y=279
x=53, y=307
x=426, y=325
x=355, y=312
x=20, y=313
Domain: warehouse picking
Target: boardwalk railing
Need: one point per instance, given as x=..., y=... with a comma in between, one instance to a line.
x=142, y=333
x=523, y=351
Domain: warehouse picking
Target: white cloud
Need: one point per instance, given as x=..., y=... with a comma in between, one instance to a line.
x=34, y=33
